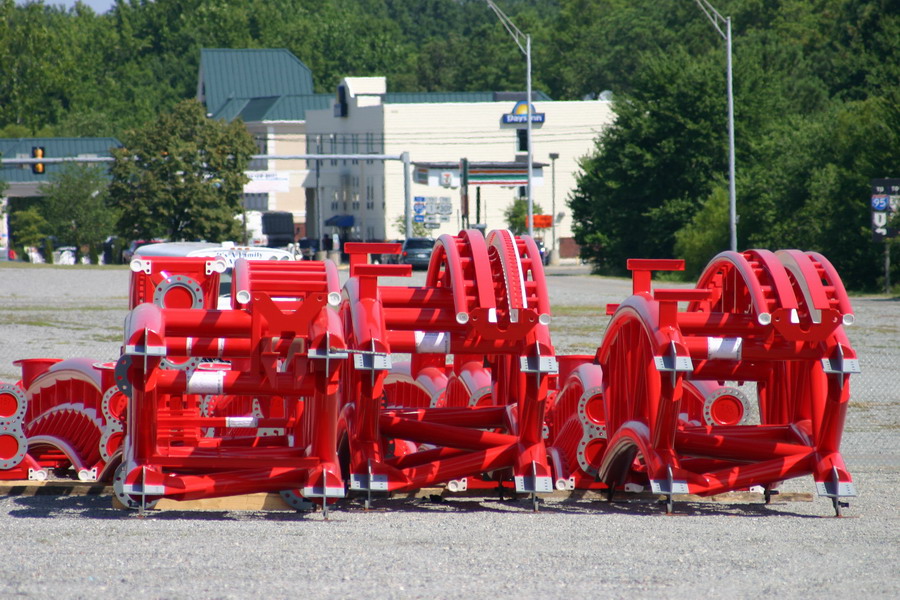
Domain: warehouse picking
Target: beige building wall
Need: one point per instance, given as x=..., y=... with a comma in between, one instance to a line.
x=447, y=132
x=283, y=180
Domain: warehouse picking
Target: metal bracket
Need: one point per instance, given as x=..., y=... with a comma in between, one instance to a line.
x=371, y=361
x=533, y=484
x=368, y=482
x=666, y=486
x=121, y=373
x=673, y=363
x=538, y=364
x=840, y=365
x=835, y=488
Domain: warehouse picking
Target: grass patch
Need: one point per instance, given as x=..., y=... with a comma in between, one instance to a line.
x=16, y=264
x=65, y=309
x=578, y=310
x=32, y=323
x=107, y=337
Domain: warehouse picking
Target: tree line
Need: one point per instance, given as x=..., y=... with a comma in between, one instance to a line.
x=817, y=106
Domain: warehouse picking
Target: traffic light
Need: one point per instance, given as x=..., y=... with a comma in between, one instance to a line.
x=37, y=152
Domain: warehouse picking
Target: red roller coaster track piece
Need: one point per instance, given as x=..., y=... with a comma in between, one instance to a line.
x=484, y=302
x=775, y=319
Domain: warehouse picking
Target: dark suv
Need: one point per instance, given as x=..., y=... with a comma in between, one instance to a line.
x=416, y=252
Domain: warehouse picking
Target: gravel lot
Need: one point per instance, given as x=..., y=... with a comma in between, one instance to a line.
x=80, y=547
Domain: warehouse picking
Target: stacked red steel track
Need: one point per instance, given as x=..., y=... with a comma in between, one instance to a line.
x=299, y=386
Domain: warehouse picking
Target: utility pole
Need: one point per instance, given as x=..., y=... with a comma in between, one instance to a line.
x=523, y=41
x=718, y=21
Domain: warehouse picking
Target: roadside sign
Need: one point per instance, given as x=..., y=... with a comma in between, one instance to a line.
x=432, y=218
x=419, y=207
x=418, y=218
x=885, y=203
x=542, y=221
x=432, y=225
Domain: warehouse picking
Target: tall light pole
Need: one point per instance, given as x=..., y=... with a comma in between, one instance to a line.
x=554, y=256
x=524, y=43
x=718, y=21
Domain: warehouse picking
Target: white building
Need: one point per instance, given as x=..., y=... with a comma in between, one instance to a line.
x=360, y=199
x=437, y=130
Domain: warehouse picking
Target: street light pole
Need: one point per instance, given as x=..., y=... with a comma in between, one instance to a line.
x=717, y=21
x=554, y=257
x=519, y=38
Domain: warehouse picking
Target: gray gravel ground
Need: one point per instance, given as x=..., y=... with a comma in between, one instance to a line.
x=80, y=547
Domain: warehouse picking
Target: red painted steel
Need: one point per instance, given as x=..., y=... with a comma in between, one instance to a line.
x=774, y=319
x=290, y=383
x=485, y=304
x=265, y=419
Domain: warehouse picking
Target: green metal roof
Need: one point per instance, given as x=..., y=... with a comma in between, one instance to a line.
x=440, y=97
x=250, y=73
x=273, y=108
x=53, y=148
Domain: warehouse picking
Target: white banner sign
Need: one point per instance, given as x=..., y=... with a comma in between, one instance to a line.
x=266, y=182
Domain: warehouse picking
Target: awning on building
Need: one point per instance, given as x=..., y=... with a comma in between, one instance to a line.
x=340, y=221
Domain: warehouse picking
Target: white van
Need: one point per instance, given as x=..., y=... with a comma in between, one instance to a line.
x=226, y=253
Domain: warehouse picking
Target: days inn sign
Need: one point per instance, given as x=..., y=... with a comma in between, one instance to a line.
x=519, y=114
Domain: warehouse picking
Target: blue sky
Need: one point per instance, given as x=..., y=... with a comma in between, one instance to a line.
x=99, y=6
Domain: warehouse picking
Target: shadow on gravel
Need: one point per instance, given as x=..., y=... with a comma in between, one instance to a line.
x=700, y=509
x=100, y=508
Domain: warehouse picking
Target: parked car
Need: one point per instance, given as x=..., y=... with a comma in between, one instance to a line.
x=227, y=251
x=389, y=259
x=129, y=252
x=64, y=255
x=416, y=252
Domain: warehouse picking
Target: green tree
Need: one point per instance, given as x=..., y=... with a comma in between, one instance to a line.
x=418, y=229
x=706, y=234
x=76, y=207
x=516, y=215
x=653, y=166
x=181, y=177
x=29, y=227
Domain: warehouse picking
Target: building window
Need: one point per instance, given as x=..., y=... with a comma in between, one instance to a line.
x=374, y=144
x=261, y=148
x=256, y=201
x=332, y=149
x=370, y=193
x=522, y=140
